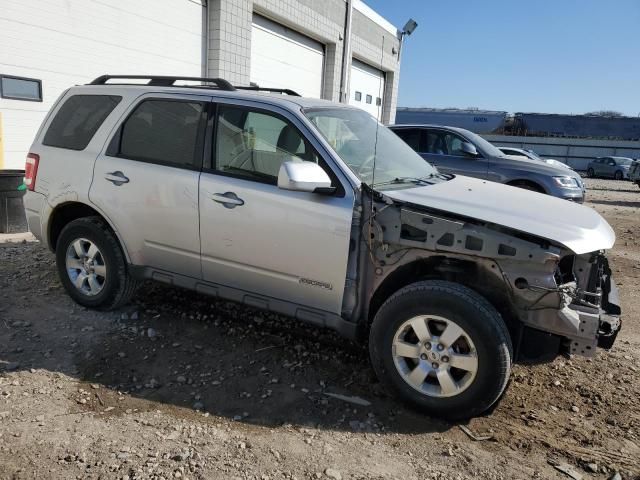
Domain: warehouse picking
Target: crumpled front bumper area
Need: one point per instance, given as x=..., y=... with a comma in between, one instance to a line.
x=610, y=322
x=588, y=313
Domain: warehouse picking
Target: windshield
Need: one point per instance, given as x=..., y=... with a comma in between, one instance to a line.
x=352, y=134
x=624, y=161
x=535, y=155
x=481, y=144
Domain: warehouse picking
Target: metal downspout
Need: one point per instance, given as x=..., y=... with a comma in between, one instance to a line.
x=346, y=55
x=205, y=39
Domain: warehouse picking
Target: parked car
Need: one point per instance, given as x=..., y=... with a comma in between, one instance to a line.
x=461, y=152
x=314, y=210
x=634, y=172
x=531, y=155
x=614, y=167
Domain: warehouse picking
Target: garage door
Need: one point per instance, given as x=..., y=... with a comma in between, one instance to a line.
x=63, y=43
x=283, y=58
x=367, y=88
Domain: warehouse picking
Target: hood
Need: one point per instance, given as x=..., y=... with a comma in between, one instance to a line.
x=557, y=163
x=578, y=228
x=537, y=166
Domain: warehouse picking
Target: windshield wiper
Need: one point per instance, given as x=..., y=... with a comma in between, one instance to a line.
x=402, y=180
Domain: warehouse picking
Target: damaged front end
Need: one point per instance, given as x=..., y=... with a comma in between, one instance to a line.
x=577, y=301
x=553, y=300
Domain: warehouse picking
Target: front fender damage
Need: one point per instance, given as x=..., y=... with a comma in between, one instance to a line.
x=532, y=282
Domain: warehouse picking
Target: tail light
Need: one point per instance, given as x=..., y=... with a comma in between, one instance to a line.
x=31, y=170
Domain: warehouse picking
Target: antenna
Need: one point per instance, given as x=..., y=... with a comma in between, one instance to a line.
x=375, y=145
x=375, y=149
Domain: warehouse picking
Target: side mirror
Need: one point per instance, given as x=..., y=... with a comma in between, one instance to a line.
x=303, y=177
x=469, y=149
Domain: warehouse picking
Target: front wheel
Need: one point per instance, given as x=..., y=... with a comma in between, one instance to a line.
x=618, y=175
x=591, y=173
x=442, y=348
x=91, y=265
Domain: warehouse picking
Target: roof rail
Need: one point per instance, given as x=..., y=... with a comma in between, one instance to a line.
x=164, y=81
x=254, y=88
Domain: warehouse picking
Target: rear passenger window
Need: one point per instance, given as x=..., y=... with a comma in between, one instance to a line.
x=167, y=132
x=411, y=137
x=78, y=119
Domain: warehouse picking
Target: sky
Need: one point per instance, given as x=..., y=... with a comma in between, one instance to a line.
x=548, y=56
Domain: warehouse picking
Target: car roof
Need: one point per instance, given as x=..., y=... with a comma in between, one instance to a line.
x=462, y=131
x=282, y=100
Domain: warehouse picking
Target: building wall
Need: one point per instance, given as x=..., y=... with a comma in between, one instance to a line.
x=70, y=42
x=324, y=21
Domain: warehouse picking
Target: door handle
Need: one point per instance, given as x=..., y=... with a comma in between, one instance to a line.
x=228, y=199
x=117, y=178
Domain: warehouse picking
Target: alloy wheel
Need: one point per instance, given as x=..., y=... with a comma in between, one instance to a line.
x=435, y=356
x=86, y=267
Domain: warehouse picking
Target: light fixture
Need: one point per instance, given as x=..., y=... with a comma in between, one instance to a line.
x=409, y=27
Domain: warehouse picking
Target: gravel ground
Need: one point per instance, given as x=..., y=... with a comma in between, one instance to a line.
x=182, y=386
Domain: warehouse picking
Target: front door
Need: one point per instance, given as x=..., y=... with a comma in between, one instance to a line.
x=257, y=238
x=444, y=150
x=146, y=182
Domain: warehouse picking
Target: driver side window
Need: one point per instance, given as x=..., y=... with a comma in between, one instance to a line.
x=444, y=143
x=253, y=144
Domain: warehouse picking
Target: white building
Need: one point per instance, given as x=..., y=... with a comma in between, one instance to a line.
x=335, y=49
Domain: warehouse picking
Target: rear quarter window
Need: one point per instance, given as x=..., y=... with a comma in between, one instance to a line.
x=78, y=119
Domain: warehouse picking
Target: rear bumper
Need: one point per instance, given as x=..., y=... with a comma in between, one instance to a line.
x=33, y=205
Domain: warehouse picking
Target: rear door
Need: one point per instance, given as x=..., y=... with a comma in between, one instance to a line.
x=444, y=150
x=146, y=181
x=257, y=238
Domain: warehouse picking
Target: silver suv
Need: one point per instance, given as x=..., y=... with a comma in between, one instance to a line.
x=314, y=210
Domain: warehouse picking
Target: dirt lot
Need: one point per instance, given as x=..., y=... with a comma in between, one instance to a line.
x=182, y=386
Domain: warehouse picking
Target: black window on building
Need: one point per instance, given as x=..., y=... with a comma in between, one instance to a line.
x=20, y=88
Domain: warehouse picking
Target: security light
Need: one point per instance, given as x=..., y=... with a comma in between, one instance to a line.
x=409, y=27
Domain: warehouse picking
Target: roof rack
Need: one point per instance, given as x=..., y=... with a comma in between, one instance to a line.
x=286, y=91
x=169, y=81
x=164, y=81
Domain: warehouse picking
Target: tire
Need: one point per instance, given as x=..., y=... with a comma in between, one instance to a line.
x=104, y=282
x=461, y=307
x=618, y=175
x=591, y=173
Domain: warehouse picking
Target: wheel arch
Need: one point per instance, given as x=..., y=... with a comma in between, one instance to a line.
x=471, y=274
x=524, y=182
x=66, y=212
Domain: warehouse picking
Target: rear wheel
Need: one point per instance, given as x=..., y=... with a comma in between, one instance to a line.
x=618, y=175
x=442, y=348
x=91, y=265
x=590, y=172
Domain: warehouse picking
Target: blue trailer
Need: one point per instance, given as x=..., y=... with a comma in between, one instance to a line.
x=576, y=126
x=478, y=121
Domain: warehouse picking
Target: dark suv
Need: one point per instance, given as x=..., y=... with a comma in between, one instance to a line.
x=461, y=152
